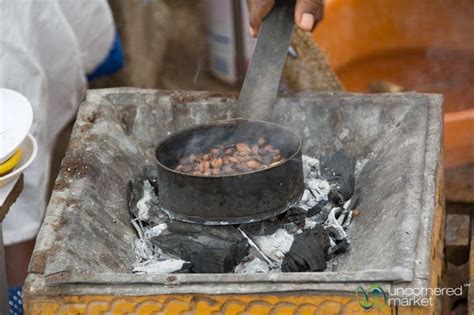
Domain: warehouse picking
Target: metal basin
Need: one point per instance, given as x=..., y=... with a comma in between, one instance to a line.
x=83, y=256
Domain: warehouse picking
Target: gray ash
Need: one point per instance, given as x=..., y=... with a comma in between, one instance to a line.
x=302, y=239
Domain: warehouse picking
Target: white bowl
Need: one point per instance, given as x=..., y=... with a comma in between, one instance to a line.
x=15, y=121
x=29, y=148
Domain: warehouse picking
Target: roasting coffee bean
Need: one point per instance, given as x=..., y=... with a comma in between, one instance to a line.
x=239, y=158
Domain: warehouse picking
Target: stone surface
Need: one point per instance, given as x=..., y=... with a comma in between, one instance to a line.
x=115, y=135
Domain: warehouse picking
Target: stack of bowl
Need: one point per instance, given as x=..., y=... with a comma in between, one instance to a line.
x=17, y=146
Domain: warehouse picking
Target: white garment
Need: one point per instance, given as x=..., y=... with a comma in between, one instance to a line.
x=46, y=48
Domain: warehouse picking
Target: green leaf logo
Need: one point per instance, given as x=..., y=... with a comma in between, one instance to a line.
x=374, y=296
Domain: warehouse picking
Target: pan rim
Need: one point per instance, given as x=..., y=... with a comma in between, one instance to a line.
x=227, y=122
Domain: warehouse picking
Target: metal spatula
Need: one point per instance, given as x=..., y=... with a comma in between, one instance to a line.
x=261, y=82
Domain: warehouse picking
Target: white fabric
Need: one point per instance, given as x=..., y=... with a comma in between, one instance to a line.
x=46, y=48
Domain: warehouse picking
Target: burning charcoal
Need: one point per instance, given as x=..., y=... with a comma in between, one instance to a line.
x=339, y=170
x=143, y=202
x=308, y=251
x=210, y=249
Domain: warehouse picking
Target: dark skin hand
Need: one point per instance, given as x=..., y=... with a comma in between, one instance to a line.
x=307, y=13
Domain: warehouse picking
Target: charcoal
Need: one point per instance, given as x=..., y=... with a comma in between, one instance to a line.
x=319, y=213
x=209, y=249
x=294, y=214
x=335, y=197
x=339, y=170
x=340, y=247
x=308, y=251
x=315, y=210
x=143, y=202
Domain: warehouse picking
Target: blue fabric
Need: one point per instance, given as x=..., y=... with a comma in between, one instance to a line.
x=15, y=299
x=112, y=63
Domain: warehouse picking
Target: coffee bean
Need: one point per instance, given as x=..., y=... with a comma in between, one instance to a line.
x=239, y=158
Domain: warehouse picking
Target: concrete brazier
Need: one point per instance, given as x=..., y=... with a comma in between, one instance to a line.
x=83, y=257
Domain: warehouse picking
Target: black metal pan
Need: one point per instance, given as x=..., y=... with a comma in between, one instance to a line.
x=229, y=199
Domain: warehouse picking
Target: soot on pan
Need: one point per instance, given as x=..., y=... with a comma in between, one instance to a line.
x=233, y=159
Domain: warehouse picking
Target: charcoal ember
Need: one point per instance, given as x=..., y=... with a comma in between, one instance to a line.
x=143, y=203
x=339, y=170
x=209, y=249
x=294, y=214
x=309, y=251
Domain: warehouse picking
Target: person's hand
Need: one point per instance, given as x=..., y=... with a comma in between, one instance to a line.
x=307, y=13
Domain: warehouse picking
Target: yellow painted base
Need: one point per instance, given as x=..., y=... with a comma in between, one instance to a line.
x=209, y=305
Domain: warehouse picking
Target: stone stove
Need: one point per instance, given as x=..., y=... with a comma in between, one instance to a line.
x=84, y=257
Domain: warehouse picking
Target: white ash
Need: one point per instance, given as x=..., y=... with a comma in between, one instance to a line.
x=311, y=168
x=165, y=266
x=142, y=250
x=334, y=226
x=143, y=204
x=155, y=230
x=254, y=265
x=267, y=251
x=316, y=189
x=275, y=245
